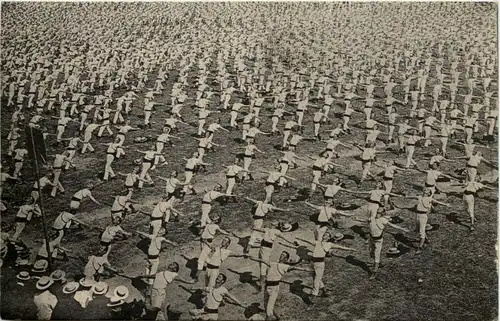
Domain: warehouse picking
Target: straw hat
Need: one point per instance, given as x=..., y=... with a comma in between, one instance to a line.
x=428, y=227
x=70, y=287
x=44, y=283
x=393, y=250
x=58, y=275
x=87, y=283
x=40, y=266
x=287, y=227
x=120, y=294
x=100, y=288
x=337, y=236
x=23, y=275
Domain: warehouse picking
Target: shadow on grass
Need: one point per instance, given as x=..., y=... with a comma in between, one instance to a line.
x=196, y=297
x=453, y=218
x=243, y=241
x=297, y=288
x=361, y=231
x=416, y=187
x=490, y=199
x=355, y=179
x=195, y=229
x=140, y=285
x=356, y=262
x=401, y=238
x=173, y=314
x=246, y=277
x=278, y=147
x=143, y=245
x=192, y=265
x=252, y=309
x=303, y=253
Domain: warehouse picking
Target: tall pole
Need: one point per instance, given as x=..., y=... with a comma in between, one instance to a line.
x=45, y=232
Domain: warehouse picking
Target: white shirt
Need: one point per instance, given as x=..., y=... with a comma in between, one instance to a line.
x=162, y=279
x=45, y=303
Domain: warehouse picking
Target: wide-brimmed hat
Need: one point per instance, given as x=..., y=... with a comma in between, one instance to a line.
x=288, y=227
x=87, y=283
x=40, y=266
x=275, y=223
x=44, y=283
x=428, y=227
x=23, y=275
x=100, y=288
x=393, y=250
x=337, y=237
x=58, y=275
x=120, y=294
x=70, y=287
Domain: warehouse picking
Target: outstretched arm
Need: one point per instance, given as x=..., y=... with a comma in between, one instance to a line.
x=224, y=232
x=343, y=213
x=286, y=239
x=340, y=247
x=398, y=227
x=305, y=241
x=281, y=209
x=251, y=199
x=312, y=205
x=297, y=268
x=441, y=203
x=144, y=234
x=233, y=298
x=258, y=260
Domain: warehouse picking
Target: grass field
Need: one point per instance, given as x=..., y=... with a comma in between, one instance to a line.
x=458, y=269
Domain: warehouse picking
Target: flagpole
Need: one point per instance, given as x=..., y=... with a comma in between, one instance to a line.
x=45, y=232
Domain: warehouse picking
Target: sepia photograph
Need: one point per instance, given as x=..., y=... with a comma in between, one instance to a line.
x=249, y=160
